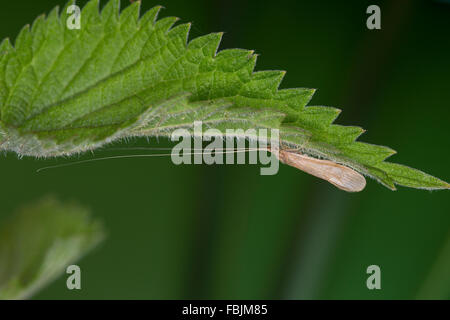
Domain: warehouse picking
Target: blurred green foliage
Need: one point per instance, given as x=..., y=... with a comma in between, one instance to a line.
x=227, y=232
x=39, y=241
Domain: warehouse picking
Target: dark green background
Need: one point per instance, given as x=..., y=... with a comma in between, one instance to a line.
x=227, y=232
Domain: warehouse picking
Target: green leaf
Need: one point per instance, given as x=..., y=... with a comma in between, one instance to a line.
x=39, y=242
x=67, y=91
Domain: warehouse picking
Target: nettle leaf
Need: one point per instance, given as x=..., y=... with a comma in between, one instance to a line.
x=39, y=242
x=66, y=91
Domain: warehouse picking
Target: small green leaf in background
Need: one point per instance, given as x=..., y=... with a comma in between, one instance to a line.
x=120, y=75
x=39, y=242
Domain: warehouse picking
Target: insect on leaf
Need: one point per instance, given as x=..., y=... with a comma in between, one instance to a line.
x=65, y=91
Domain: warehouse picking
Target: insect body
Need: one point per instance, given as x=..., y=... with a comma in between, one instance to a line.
x=341, y=176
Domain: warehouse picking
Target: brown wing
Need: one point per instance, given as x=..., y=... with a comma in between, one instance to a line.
x=341, y=176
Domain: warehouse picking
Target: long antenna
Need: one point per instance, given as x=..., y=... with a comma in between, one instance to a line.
x=68, y=164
